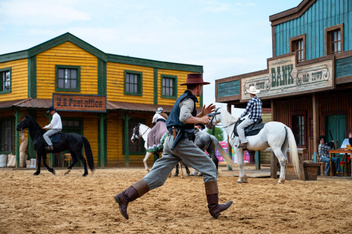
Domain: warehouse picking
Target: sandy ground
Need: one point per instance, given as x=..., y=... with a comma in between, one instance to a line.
x=73, y=204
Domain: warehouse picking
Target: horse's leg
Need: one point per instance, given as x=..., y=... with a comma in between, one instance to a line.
x=38, y=161
x=46, y=165
x=176, y=172
x=74, y=161
x=145, y=161
x=83, y=160
x=240, y=159
x=187, y=169
x=283, y=161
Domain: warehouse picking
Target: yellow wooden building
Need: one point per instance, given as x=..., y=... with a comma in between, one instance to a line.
x=133, y=89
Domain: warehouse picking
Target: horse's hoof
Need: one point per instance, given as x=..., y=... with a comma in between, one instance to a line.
x=84, y=175
x=53, y=171
x=281, y=182
x=67, y=172
x=35, y=173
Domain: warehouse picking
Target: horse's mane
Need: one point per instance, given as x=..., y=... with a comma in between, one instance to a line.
x=35, y=123
x=227, y=115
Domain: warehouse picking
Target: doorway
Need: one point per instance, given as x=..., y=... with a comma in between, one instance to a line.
x=336, y=129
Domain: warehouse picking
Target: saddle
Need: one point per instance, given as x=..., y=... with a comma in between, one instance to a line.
x=56, y=137
x=251, y=130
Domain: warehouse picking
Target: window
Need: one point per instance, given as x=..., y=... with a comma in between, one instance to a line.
x=72, y=125
x=5, y=80
x=68, y=78
x=298, y=127
x=334, y=39
x=297, y=44
x=138, y=147
x=133, y=83
x=168, y=86
x=7, y=135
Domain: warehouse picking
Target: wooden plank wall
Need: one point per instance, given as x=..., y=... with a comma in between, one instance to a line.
x=322, y=14
x=69, y=54
x=19, y=80
x=330, y=103
x=116, y=83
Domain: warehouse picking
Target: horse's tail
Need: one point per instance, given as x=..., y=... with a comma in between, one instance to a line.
x=223, y=152
x=293, y=151
x=89, y=153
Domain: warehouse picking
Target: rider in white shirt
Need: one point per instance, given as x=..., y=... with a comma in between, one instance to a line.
x=54, y=127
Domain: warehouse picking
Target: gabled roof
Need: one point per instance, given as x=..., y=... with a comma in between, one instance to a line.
x=98, y=53
x=292, y=13
x=52, y=43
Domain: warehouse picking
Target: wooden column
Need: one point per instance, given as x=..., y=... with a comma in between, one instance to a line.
x=125, y=139
x=229, y=147
x=102, y=157
x=315, y=106
x=273, y=168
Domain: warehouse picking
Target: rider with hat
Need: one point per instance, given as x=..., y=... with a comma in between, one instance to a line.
x=179, y=145
x=254, y=109
x=54, y=127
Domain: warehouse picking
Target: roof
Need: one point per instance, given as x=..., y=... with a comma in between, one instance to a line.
x=292, y=13
x=98, y=53
x=34, y=103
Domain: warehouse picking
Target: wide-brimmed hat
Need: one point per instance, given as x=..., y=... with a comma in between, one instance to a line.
x=195, y=78
x=50, y=109
x=160, y=109
x=253, y=90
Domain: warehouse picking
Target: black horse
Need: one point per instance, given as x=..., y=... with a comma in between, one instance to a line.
x=68, y=141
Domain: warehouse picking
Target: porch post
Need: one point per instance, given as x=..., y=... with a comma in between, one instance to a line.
x=125, y=139
x=229, y=147
x=17, y=119
x=315, y=126
x=273, y=168
x=102, y=157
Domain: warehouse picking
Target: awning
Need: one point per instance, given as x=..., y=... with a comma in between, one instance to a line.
x=34, y=103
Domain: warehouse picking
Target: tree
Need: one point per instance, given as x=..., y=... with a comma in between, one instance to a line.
x=218, y=133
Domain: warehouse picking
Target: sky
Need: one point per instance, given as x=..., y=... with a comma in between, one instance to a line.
x=226, y=37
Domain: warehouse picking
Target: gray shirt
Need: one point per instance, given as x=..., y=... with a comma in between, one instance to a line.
x=186, y=109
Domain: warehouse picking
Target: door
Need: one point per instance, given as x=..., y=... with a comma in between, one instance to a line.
x=336, y=125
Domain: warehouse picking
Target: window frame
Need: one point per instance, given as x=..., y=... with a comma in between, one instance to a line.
x=293, y=41
x=6, y=70
x=174, y=78
x=78, y=82
x=12, y=124
x=301, y=113
x=328, y=41
x=139, y=82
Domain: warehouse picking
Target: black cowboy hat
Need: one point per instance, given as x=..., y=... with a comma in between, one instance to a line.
x=50, y=109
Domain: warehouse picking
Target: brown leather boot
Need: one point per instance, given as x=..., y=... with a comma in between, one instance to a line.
x=211, y=190
x=132, y=193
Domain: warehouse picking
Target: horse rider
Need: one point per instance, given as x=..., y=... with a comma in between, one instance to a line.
x=179, y=145
x=157, y=134
x=254, y=109
x=54, y=127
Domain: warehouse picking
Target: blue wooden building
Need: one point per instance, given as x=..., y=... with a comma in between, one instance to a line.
x=308, y=80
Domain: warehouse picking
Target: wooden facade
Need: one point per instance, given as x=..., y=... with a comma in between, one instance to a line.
x=35, y=77
x=308, y=81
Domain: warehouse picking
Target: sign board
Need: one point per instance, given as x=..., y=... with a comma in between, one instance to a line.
x=83, y=103
x=285, y=77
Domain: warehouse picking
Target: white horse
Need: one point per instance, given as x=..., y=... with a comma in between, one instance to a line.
x=203, y=140
x=274, y=134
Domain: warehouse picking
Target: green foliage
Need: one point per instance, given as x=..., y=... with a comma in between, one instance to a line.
x=218, y=133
